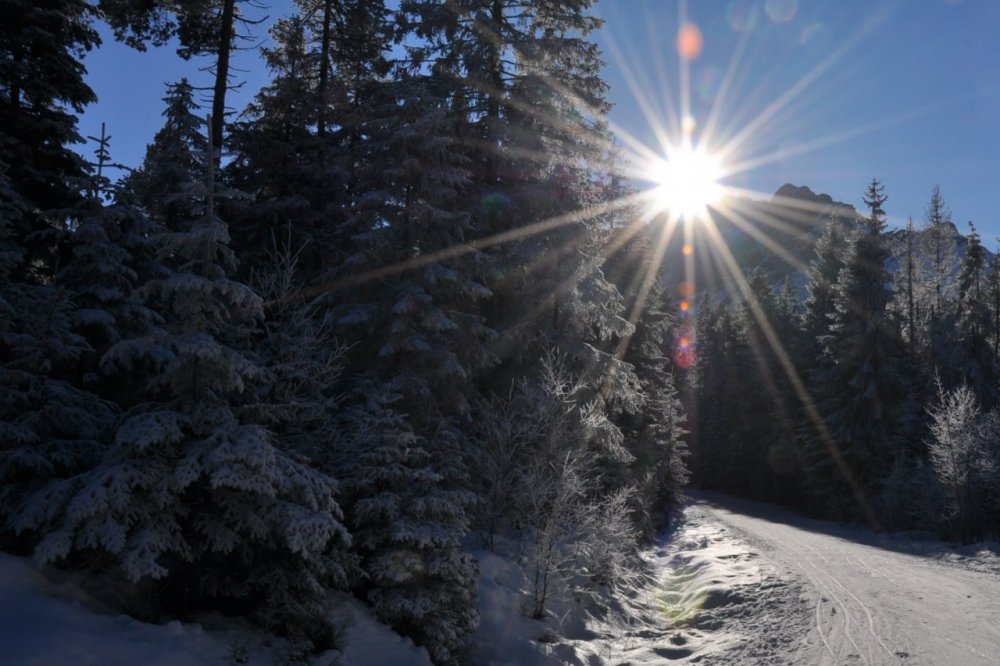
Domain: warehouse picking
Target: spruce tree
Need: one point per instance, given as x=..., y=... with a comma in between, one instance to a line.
x=192, y=497
x=49, y=428
x=109, y=251
x=531, y=109
x=423, y=340
x=716, y=399
x=940, y=246
x=908, y=291
x=994, y=281
x=831, y=252
x=210, y=28
x=172, y=162
x=413, y=322
x=408, y=520
x=41, y=86
x=654, y=434
x=862, y=393
x=292, y=151
x=971, y=360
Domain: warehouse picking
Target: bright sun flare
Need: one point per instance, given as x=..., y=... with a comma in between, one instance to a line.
x=687, y=182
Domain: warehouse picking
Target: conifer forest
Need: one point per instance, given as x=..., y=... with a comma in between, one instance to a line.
x=409, y=303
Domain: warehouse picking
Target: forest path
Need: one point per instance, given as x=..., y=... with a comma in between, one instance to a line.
x=874, y=600
x=748, y=583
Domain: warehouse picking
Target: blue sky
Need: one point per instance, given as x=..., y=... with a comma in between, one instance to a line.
x=833, y=93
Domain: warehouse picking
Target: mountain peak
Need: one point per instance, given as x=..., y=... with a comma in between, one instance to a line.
x=802, y=193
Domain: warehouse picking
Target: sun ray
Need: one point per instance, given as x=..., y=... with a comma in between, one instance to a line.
x=617, y=242
x=743, y=197
x=663, y=79
x=648, y=277
x=684, y=63
x=778, y=105
x=458, y=250
x=715, y=113
x=734, y=168
x=743, y=222
x=651, y=114
x=798, y=385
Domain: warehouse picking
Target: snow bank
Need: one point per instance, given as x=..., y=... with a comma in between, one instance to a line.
x=47, y=623
x=368, y=641
x=43, y=622
x=711, y=599
x=715, y=596
x=715, y=600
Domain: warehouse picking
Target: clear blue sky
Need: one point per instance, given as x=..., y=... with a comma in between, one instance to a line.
x=905, y=91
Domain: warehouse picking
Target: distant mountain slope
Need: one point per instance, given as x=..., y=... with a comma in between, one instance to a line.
x=779, y=237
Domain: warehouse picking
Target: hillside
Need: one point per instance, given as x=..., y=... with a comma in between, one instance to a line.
x=779, y=235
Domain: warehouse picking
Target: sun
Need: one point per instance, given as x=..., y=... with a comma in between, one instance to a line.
x=686, y=182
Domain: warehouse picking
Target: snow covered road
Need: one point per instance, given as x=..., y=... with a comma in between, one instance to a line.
x=872, y=600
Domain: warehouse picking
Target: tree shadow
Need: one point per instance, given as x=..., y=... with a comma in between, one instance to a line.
x=920, y=544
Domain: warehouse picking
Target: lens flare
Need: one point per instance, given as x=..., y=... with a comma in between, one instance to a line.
x=780, y=11
x=741, y=15
x=678, y=602
x=688, y=125
x=689, y=41
x=684, y=357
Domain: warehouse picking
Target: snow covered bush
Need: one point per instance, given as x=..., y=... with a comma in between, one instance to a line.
x=550, y=513
x=609, y=550
x=538, y=479
x=407, y=521
x=962, y=452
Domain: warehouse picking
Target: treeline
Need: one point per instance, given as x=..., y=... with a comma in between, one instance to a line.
x=389, y=307
x=875, y=398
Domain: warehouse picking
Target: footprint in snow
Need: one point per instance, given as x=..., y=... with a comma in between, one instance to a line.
x=672, y=653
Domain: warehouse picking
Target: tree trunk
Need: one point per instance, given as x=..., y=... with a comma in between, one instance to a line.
x=909, y=288
x=222, y=75
x=324, y=66
x=492, y=171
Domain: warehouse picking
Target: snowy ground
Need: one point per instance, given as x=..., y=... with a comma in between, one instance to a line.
x=714, y=600
x=749, y=583
x=736, y=583
x=876, y=599
x=50, y=623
